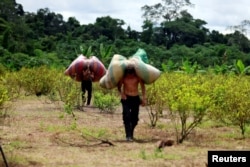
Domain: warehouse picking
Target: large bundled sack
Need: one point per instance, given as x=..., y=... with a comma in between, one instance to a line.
x=119, y=63
x=146, y=72
x=75, y=69
x=97, y=67
x=141, y=53
x=115, y=72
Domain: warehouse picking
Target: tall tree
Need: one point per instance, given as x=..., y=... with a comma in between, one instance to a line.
x=132, y=34
x=239, y=37
x=147, y=32
x=72, y=24
x=216, y=37
x=16, y=31
x=109, y=27
x=184, y=30
x=4, y=33
x=240, y=40
x=45, y=22
x=172, y=19
x=10, y=10
x=242, y=28
x=167, y=10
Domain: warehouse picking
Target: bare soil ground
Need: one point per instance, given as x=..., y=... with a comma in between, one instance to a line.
x=40, y=134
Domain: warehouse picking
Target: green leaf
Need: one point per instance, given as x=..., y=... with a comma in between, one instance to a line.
x=240, y=66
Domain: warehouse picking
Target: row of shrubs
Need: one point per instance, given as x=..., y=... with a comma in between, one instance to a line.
x=190, y=99
x=52, y=83
x=187, y=98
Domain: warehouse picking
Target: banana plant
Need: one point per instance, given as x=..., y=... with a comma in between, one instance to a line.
x=169, y=66
x=220, y=69
x=105, y=53
x=240, y=68
x=86, y=52
x=189, y=68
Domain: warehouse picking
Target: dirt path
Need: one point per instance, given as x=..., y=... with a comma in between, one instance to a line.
x=39, y=134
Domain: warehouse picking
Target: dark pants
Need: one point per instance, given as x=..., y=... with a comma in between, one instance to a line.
x=86, y=86
x=130, y=114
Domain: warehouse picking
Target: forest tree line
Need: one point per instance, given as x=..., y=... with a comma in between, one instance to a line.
x=45, y=38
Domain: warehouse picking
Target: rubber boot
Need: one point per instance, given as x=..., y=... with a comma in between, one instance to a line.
x=128, y=132
x=132, y=131
x=83, y=100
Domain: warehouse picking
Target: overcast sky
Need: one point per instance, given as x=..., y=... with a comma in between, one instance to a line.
x=219, y=14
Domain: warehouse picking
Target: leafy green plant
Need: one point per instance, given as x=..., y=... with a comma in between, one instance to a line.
x=189, y=68
x=188, y=101
x=37, y=81
x=3, y=70
x=240, y=68
x=220, y=69
x=86, y=52
x=169, y=66
x=155, y=101
x=3, y=99
x=105, y=53
x=106, y=102
x=13, y=83
x=65, y=90
x=70, y=96
x=232, y=102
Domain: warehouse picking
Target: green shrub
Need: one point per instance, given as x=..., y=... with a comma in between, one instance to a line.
x=184, y=96
x=3, y=70
x=155, y=101
x=188, y=100
x=106, y=102
x=13, y=84
x=38, y=81
x=3, y=99
x=232, y=101
x=66, y=90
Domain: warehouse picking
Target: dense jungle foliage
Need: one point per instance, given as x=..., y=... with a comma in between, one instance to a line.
x=45, y=38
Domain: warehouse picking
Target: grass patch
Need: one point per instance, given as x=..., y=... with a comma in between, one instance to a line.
x=157, y=154
x=95, y=132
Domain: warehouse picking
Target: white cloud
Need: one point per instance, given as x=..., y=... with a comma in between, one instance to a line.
x=219, y=14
